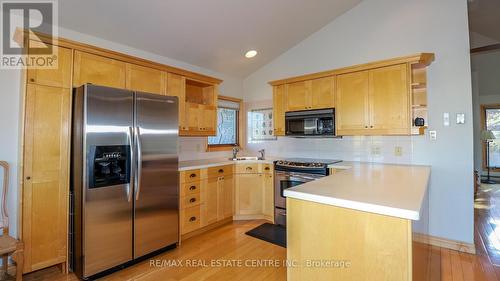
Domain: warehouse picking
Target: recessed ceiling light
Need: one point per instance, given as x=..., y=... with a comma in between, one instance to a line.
x=251, y=54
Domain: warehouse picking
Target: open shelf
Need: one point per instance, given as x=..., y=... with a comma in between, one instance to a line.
x=200, y=93
x=418, y=97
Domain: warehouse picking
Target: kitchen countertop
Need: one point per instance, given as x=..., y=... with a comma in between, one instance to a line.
x=206, y=163
x=392, y=190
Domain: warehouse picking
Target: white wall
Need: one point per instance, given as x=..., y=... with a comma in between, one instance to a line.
x=382, y=29
x=10, y=106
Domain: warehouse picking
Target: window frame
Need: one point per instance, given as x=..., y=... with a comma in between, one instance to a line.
x=239, y=128
x=484, y=107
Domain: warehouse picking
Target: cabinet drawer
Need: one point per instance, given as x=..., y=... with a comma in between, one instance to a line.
x=190, y=201
x=191, y=176
x=267, y=168
x=190, y=188
x=190, y=219
x=249, y=168
x=219, y=171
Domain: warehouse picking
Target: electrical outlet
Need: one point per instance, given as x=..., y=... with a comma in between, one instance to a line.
x=375, y=150
x=398, y=151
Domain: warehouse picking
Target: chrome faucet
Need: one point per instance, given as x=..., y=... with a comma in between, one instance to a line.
x=235, y=152
x=262, y=154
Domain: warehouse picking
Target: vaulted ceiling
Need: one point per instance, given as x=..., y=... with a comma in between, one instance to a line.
x=213, y=34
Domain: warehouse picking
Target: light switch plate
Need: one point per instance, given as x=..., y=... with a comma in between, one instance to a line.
x=446, y=119
x=460, y=118
x=433, y=135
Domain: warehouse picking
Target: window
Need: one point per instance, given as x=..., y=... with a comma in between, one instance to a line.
x=228, y=125
x=491, y=122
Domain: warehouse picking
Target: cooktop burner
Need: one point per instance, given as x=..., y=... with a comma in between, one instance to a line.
x=306, y=162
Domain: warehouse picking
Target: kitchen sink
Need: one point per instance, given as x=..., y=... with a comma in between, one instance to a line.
x=245, y=158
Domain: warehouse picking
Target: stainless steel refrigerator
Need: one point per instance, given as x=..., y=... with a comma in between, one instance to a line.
x=124, y=177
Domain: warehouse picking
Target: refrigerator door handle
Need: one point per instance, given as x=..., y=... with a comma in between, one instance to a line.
x=130, y=135
x=139, y=162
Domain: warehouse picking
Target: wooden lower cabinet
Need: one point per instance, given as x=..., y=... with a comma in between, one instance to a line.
x=211, y=191
x=268, y=196
x=226, y=197
x=217, y=194
x=249, y=194
x=45, y=184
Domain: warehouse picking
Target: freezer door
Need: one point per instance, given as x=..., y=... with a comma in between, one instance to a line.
x=156, y=214
x=107, y=189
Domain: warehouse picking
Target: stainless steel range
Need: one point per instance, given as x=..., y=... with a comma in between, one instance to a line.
x=293, y=172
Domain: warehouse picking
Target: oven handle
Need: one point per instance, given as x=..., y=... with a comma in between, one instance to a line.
x=289, y=175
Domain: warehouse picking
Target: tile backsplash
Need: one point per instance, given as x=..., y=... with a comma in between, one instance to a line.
x=380, y=149
x=367, y=149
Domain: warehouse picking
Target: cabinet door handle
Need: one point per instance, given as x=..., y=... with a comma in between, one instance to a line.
x=32, y=80
x=366, y=127
x=221, y=171
x=371, y=126
x=192, y=200
x=249, y=168
x=192, y=219
x=193, y=187
x=192, y=176
x=267, y=168
x=28, y=178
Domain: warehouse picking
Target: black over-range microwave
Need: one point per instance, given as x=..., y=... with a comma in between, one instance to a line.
x=310, y=123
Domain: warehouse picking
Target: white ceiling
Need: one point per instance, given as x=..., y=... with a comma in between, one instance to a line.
x=213, y=34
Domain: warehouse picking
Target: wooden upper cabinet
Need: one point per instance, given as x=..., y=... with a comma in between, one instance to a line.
x=389, y=100
x=279, y=110
x=98, y=70
x=373, y=102
x=57, y=77
x=322, y=93
x=208, y=122
x=176, y=86
x=352, y=105
x=297, y=96
x=145, y=79
x=46, y=176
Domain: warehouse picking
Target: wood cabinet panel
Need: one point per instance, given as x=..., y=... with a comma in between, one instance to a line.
x=279, y=110
x=208, y=121
x=352, y=105
x=297, y=96
x=389, y=99
x=57, y=77
x=190, y=219
x=249, y=194
x=268, y=196
x=251, y=168
x=176, y=86
x=226, y=197
x=46, y=176
x=145, y=79
x=211, y=201
x=322, y=93
x=98, y=70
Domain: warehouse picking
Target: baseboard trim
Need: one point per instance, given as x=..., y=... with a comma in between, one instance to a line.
x=445, y=243
x=253, y=217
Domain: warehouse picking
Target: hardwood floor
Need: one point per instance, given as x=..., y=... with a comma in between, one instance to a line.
x=230, y=243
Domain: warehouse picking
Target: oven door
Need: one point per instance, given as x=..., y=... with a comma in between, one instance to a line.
x=284, y=180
